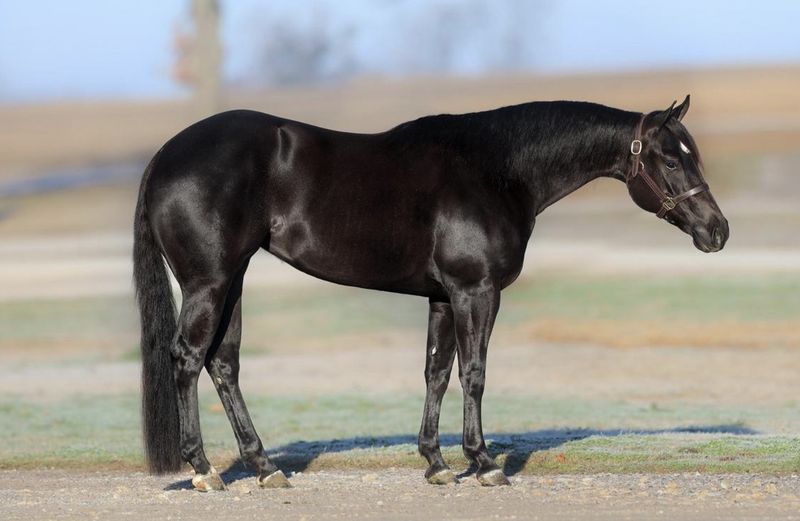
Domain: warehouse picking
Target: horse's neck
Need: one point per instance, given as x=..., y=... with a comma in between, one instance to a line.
x=560, y=160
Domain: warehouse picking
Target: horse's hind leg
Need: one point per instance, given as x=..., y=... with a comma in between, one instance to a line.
x=198, y=322
x=222, y=363
x=439, y=354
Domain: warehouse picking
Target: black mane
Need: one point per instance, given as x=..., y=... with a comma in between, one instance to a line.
x=541, y=142
x=538, y=132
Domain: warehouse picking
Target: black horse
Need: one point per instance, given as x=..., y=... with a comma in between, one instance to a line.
x=441, y=207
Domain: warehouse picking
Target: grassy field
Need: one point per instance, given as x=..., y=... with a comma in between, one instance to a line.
x=379, y=431
x=532, y=434
x=732, y=310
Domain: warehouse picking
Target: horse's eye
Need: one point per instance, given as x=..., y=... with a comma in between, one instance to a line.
x=671, y=165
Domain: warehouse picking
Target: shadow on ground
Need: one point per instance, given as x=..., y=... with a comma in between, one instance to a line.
x=517, y=447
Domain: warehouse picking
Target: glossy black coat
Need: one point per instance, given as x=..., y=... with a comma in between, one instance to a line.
x=441, y=207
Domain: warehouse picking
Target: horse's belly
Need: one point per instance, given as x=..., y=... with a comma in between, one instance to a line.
x=368, y=260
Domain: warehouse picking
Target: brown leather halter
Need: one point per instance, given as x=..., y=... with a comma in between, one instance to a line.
x=668, y=202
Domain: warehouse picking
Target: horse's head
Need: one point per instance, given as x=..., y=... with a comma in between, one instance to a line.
x=665, y=176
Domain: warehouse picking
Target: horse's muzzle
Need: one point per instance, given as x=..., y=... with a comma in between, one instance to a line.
x=712, y=238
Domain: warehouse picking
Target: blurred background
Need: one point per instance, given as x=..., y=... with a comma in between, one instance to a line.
x=616, y=317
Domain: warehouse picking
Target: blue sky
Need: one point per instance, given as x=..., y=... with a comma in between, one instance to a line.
x=53, y=49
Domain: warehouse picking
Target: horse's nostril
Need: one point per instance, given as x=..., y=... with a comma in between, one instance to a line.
x=716, y=237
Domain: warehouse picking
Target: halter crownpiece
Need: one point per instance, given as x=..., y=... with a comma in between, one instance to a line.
x=668, y=202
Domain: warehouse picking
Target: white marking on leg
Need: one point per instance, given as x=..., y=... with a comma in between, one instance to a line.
x=433, y=350
x=208, y=482
x=275, y=480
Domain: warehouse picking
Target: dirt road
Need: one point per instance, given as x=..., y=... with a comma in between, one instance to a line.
x=398, y=494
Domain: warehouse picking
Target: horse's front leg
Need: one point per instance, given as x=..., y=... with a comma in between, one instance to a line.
x=474, y=311
x=439, y=354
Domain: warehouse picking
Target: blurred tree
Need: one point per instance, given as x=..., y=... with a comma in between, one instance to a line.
x=297, y=54
x=199, y=55
x=183, y=46
x=320, y=42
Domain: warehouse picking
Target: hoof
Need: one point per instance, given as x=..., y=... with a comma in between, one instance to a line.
x=208, y=482
x=275, y=480
x=493, y=478
x=442, y=477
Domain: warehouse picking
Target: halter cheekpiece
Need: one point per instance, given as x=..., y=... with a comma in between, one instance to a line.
x=668, y=202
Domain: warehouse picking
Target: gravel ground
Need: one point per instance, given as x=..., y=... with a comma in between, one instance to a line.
x=398, y=494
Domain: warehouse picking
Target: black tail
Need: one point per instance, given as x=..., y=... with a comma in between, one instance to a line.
x=158, y=326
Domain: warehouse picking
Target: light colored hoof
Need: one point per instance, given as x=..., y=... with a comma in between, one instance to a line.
x=493, y=478
x=275, y=480
x=208, y=482
x=443, y=477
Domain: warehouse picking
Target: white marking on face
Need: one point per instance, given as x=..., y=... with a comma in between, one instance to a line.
x=685, y=148
x=433, y=350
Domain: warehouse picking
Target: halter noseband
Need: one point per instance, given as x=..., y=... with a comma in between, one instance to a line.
x=668, y=202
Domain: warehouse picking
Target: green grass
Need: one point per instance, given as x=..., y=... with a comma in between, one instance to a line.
x=109, y=324
x=526, y=434
x=694, y=299
x=603, y=453
x=104, y=431
x=89, y=319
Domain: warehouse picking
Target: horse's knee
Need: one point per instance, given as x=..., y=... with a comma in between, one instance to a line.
x=473, y=380
x=437, y=380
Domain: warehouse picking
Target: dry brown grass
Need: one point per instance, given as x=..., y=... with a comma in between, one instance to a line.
x=95, y=209
x=631, y=334
x=733, y=110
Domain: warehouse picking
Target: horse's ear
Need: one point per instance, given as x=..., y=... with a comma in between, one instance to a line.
x=660, y=118
x=681, y=110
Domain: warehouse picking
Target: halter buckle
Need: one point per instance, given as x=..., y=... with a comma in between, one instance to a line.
x=668, y=204
x=636, y=147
